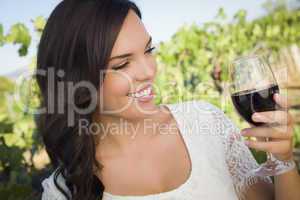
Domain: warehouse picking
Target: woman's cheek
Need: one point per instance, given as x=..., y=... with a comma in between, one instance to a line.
x=111, y=90
x=118, y=84
x=154, y=64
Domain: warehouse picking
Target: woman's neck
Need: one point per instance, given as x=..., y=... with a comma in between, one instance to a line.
x=121, y=135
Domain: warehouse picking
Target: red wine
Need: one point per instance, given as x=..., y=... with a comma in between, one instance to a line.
x=249, y=101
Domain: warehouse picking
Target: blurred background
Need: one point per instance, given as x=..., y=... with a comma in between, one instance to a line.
x=196, y=41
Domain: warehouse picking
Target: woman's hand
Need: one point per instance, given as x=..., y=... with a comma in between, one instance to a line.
x=278, y=128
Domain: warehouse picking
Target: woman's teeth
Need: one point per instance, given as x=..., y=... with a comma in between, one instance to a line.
x=145, y=92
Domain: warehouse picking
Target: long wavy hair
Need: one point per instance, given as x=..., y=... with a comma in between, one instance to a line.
x=76, y=44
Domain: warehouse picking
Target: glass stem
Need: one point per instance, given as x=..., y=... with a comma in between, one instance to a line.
x=270, y=156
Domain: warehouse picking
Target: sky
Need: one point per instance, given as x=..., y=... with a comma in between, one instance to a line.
x=161, y=18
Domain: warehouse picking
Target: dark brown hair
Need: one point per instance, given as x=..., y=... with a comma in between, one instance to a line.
x=77, y=39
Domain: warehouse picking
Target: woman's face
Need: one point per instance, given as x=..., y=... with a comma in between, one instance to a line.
x=132, y=67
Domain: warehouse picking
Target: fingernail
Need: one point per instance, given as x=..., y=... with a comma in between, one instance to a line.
x=256, y=117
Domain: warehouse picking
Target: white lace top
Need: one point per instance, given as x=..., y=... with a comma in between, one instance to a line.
x=220, y=160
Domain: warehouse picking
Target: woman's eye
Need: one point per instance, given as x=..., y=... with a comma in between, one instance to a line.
x=117, y=67
x=150, y=50
x=121, y=66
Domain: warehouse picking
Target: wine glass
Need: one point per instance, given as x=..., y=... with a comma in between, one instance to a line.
x=252, y=88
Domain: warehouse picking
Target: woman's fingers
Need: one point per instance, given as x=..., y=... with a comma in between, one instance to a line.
x=276, y=132
x=276, y=117
x=281, y=100
x=278, y=126
x=282, y=148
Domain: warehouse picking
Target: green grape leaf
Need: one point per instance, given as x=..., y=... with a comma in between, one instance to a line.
x=19, y=34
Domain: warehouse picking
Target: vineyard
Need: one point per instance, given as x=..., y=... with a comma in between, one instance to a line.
x=193, y=64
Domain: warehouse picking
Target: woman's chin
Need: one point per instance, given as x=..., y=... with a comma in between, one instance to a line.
x=144, y=105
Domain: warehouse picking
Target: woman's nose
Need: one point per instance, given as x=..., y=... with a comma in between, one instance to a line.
x=145, y=70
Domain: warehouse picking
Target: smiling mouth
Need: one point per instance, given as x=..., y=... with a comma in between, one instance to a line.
x=146, y=92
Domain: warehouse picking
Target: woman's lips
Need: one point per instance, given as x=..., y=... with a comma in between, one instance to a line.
x=140, y=90
x=144, y=98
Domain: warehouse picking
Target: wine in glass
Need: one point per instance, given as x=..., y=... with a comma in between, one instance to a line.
x=252, y=88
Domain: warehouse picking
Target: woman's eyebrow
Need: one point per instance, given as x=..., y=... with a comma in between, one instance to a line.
x=130, y=54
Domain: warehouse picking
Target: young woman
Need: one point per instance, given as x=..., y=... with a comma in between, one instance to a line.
x=108, y=140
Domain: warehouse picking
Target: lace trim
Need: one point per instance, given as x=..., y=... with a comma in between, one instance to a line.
x=240, y=162
x=239, y=158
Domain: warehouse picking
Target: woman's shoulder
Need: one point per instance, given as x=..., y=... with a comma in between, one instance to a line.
x=50, y=189
x=195, y=106
x=200, y=110
x=205, y=118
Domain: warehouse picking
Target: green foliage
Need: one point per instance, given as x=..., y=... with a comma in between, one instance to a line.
x=296, y=141
x=39, y=24
x=192, y=65
x=197, y=50
x=6, y=87
x=15, y=192
x=19, y=34
x=16, y=139
x=189, y=63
